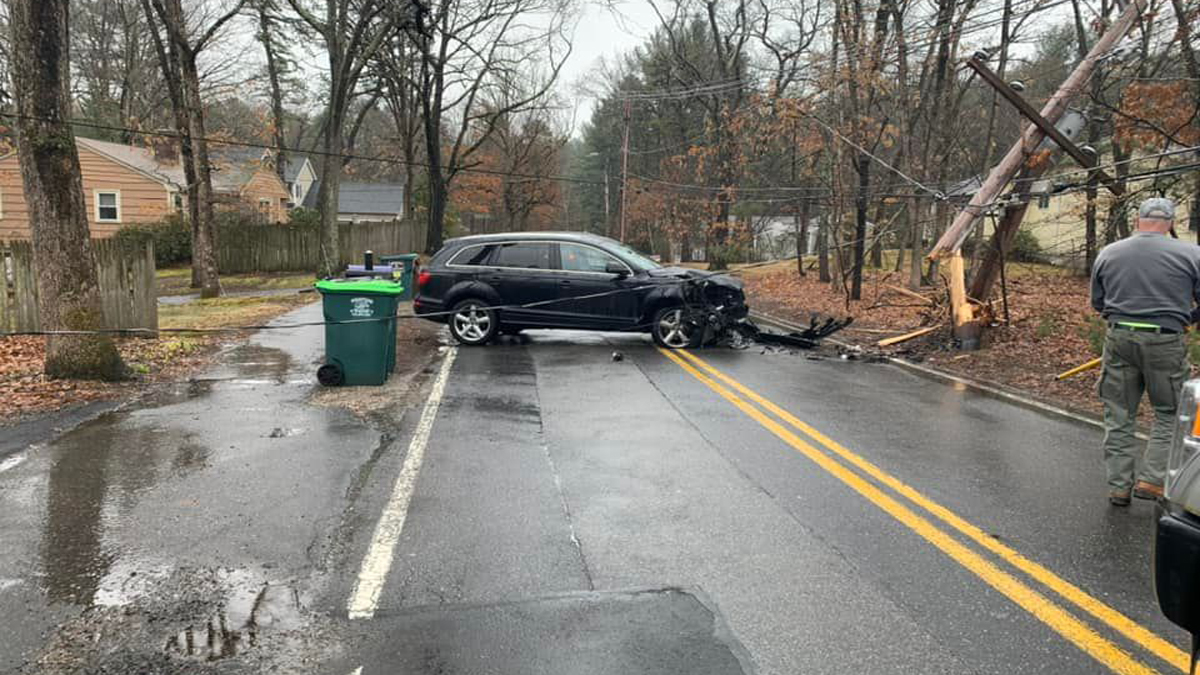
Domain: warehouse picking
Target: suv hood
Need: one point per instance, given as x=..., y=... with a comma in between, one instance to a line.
x=717, y=279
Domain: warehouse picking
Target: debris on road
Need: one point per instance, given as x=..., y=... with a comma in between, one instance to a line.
x=618, y=357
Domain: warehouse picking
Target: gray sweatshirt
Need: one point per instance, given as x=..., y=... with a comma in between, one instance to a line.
x=1147, y=278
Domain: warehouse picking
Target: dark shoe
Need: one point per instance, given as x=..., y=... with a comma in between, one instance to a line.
x=1144, y=490
x=1119, y=498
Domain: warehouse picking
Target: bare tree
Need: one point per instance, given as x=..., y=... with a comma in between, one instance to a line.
x=117, y=81
x=269, y=28
x=68, y=291
x=353, y=31
x=468, y=49
x=396, y=69
x=178, y=51
x=530, y=149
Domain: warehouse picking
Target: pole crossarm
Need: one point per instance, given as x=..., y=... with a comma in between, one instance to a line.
x=1023, y=150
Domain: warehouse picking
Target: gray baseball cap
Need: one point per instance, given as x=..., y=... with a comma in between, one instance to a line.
x=1157, y=208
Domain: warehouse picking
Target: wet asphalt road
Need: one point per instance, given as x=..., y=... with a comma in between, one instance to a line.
x=576, y=514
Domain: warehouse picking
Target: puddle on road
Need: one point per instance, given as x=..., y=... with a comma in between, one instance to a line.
x=239, y=624
x=99, y=467
x=182, y=618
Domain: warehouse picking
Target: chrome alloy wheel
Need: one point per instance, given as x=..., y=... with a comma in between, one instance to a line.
x=472, y=323
x=673, y=331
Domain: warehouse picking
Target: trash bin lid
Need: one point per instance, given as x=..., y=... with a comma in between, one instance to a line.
x=360, y=286
x=398, y=257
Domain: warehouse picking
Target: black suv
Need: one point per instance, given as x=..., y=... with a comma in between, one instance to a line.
x=565, y=280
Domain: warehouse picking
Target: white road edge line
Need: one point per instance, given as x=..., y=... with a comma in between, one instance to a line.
x=364, y=599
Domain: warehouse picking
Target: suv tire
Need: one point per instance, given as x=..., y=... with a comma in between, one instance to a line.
x=671, y=331
x=472, y=323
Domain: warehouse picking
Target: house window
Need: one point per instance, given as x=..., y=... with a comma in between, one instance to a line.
x=108, y=206
x=264, y=206
x=177, y=201
x=1044, y=200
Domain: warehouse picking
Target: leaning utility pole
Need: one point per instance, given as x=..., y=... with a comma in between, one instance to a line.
x=966, y=326
x=625, y=171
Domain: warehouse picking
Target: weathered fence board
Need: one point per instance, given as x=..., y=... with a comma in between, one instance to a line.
x=283, y=248
x=125, y=273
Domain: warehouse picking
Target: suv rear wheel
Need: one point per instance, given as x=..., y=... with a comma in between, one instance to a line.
x=673, y=331
x=472, y=323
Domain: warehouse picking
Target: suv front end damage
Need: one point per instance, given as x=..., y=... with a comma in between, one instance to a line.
x=715, y=306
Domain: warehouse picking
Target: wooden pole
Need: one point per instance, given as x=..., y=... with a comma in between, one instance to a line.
x=966, y=328
x=1003, y=172
x=950, y=244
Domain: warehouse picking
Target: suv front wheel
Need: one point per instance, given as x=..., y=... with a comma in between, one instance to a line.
x=672, y=329
x=472, y=323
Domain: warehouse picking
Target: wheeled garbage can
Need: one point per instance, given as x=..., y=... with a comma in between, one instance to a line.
x=360, y=330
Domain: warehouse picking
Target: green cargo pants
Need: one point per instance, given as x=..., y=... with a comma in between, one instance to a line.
x=1137, y=362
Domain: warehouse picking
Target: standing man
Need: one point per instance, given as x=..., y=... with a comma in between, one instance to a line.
x=1145, y=287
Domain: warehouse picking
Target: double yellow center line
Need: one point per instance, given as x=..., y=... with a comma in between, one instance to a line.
x=1064, y=623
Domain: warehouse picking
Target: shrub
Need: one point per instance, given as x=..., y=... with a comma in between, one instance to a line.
x=1094, y=330
x=172, y=239
x=1025, y=247
x=302, y=217
x=1047, y=326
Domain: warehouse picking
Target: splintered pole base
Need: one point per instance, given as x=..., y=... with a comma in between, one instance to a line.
x=966, y=326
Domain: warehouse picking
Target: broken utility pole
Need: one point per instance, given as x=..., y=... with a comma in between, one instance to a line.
x=966, y=325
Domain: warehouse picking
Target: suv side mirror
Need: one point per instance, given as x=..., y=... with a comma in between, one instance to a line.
x=614, y=267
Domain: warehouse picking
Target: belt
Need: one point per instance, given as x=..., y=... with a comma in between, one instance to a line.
x=1141, y=327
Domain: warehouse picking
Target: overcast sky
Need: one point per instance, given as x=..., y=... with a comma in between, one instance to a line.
x=602, y=34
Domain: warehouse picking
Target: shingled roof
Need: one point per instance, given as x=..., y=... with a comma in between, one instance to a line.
x=233, y=166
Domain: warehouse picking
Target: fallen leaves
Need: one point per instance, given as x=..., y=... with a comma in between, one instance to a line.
x=1052, y=328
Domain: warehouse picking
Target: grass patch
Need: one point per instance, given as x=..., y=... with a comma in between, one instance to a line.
x=229, y=312
x=177, y=281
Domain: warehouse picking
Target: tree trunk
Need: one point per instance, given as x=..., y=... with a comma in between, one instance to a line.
x=863, y=166
x=823, y=272
x=877, y=239
x=68, y=290
x=178, y=64
x=1118, y=213
x=204, y=236
x=916, y=244
x=273, y=70
x=989, y=270
x=802, y=235
x=327, y=194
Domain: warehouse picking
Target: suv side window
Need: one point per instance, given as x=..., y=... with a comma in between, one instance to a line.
x=524, y=255
x=577, y=258
x=472, y=255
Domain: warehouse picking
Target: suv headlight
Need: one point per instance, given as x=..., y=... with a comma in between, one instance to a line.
x=1183, y=465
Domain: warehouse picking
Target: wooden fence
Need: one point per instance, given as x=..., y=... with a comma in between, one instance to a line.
x=285, y=248
x=126, y=276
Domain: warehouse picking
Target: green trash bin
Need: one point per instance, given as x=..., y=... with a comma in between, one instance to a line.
x=363, y=351
x=409, y=262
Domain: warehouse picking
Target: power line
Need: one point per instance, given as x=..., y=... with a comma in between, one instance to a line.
x=319, y=153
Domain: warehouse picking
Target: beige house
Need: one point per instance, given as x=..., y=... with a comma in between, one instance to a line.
x=125, y=184
x=1058, y=222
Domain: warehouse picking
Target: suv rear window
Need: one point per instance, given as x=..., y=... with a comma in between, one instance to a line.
x=526, y=255
x=472, y=255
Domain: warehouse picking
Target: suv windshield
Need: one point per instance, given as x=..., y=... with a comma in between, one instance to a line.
x=639, y=262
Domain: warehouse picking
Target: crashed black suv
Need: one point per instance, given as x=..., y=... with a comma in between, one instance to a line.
x=486, y=285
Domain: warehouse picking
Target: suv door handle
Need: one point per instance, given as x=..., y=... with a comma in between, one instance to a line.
x=565, y=282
